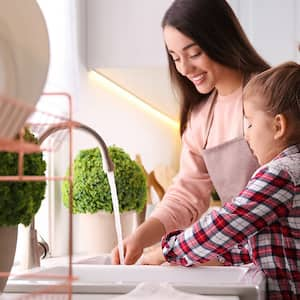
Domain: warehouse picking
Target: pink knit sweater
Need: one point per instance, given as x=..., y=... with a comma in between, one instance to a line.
x=189, y=195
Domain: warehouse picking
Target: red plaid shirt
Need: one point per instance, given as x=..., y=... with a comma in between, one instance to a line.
x=261, y=225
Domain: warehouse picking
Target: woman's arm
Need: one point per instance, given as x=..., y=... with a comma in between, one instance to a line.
x=189, y=195
x=184, y=202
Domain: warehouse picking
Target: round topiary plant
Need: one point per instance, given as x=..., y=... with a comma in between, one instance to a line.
x=20, y=200
x=91, y=190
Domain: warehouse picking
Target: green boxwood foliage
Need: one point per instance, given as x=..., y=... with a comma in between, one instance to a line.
x=20, y=200
x=91, y=190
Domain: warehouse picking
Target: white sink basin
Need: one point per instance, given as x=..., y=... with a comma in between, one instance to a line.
x=245, y=282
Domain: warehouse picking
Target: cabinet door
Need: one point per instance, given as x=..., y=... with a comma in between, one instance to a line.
x=125, y=33
x=128, y=33
x=273, y=26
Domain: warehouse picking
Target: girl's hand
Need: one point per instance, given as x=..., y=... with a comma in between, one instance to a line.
x=147, y=234
x=153, y=256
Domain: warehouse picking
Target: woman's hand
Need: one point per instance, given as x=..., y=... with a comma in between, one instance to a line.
x=132, y=251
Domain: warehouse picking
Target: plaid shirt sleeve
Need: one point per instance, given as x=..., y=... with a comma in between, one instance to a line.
x=267, y=197
x=238, y=255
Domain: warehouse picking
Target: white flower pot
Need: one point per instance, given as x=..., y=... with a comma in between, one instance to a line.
x=8, y=242
x=98, y=233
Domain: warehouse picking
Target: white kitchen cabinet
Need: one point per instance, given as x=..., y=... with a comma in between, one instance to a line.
x=125, y=44
x=126, y=33
x=96, y=280
x=97, y=297
x=273, y=26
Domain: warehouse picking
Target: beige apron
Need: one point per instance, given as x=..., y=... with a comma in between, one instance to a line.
x=230, y=165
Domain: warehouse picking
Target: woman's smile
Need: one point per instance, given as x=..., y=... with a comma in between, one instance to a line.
x=199, y=79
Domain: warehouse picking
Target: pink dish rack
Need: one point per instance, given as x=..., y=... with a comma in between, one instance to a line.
x=58, y=126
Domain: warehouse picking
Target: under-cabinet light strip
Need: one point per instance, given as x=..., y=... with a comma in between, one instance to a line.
x=121, y=92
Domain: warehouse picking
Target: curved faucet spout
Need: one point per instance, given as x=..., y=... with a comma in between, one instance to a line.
x=32, y=256
x=108, y=165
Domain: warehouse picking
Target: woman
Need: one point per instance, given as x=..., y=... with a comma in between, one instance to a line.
x=210, y=60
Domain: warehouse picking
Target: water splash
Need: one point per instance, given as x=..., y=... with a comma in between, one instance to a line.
x=115, y=202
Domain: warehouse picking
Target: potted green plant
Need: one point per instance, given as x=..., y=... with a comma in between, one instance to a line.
x=92, y=196
x=19, y=201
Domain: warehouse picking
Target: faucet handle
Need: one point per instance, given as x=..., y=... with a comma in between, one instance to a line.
x=43, y=247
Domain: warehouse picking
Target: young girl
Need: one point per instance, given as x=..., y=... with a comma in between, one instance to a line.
x=262, y=224
x=210, y=60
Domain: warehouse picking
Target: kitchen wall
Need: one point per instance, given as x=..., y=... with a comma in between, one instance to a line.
x=116, y=120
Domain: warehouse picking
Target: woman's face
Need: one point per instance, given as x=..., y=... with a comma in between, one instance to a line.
x=191, y=61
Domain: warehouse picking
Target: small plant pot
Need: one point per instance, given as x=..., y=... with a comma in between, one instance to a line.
x=98, y=231
x=8, y=242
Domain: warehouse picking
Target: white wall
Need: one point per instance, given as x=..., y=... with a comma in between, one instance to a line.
x=117, y=121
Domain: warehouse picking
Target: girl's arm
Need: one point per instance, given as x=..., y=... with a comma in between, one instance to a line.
x=267, y=197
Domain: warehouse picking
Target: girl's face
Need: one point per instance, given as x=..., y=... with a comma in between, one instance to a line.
x=260, y=134
x=191, y=61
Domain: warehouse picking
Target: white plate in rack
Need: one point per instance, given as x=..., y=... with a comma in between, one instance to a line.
x=24, y=61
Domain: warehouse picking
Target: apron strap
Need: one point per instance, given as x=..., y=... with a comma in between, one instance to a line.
x=210, y=116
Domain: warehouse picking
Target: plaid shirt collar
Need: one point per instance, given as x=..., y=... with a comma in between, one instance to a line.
x=293, y=149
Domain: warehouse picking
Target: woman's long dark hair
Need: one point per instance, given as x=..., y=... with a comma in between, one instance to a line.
x=213, y=25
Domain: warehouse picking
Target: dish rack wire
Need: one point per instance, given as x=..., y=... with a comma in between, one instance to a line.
x=42, y=124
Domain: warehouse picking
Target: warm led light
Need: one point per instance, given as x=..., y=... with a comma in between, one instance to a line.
x=121, y=92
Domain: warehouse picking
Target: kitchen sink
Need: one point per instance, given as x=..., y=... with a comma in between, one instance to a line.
x=245, y=282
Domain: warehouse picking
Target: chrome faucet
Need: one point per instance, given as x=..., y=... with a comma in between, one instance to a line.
x=36, y=248
x=107, y=162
